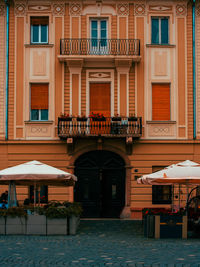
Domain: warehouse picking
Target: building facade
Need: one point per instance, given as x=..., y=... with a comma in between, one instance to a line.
x=103, y=89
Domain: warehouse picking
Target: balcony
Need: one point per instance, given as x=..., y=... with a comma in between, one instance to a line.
x=99, y=49
x=104, y=127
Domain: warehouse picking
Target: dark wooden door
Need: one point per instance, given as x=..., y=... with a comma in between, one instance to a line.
x=113, y=193
x=101, y=184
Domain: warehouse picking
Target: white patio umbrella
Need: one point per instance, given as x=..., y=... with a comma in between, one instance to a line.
x=35, y=173
x=186, y=173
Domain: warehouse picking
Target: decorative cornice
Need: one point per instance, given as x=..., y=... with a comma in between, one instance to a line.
x=20, y=8
x=59, y=9
x=123, y=9
x=2, y=9
x=75, y=9
x=140, y=9
x=181, y=10
x=197, y=10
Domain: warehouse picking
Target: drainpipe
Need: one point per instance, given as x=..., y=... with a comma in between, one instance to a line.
x=7, y=65
x=194, y=70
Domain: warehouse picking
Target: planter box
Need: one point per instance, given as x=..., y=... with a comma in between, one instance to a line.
x=73, y=224
x=2, y=226
x=99, y=119
x=82, y=119
x=36, y=225
x=15, y=226
x=167, y=226
x=57, y=226
x=132, y=119
x=116, y=118
x=65, y=118
x=149, y=225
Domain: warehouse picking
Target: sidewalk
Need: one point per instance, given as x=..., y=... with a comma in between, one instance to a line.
x=99, y=243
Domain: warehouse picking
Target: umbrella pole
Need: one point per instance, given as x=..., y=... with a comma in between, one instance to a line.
x=39, y=195
x=179, y=196
x=35, y=194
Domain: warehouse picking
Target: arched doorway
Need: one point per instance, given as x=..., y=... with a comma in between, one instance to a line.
x=101, y=184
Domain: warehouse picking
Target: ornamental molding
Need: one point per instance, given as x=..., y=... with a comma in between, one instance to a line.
x=99, y=75
x=75, y=9
x=197, y=10
x=59, y=9
x=39, y=8
x=160, y=8
x=20, y=8
x=123, y=9
x=181, y=10
x=2, y=9
x=140, y=9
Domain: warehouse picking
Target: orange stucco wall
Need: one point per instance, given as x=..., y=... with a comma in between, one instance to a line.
x=140, y=67
x=11, y=85
x=20, y=73
x=181, y=71
x=75, y=94
x=2, y=75
x=58, y=68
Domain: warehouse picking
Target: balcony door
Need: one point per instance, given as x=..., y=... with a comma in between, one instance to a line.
x=99, y=37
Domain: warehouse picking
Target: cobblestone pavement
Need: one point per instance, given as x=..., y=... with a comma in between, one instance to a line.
x=99, y=243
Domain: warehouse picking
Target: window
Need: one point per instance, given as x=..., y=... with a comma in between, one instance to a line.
x=161, y=194
x=43, y=194
x=160, y=30
x=99, y=35
x=161, y=102
x=39, y=102
x=39, y=30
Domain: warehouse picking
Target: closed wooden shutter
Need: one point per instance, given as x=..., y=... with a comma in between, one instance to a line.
x=39, y=20
x=100, y=98
x=160, y=102
x=39, y=96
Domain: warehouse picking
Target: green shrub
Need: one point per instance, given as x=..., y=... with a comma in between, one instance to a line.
x=15, y=212
x=74, y=208
x=56, y=212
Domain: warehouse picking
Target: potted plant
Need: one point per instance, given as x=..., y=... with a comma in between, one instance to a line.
x=97, y=117
x=74, y=212
x=36, y=222
x=82, y=117
x=2, y=222
x=15, y=219
x=163, y=223
x=132, y=117
x=56, y=219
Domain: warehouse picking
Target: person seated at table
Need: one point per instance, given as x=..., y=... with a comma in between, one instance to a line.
x=4, y=197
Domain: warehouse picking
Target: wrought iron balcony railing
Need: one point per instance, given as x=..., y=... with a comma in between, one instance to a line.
x=110, y=127
x=115, y=47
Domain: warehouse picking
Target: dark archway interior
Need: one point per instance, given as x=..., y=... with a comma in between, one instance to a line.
x=101, y=184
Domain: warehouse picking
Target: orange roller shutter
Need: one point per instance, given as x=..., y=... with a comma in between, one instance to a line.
x=100, y=98
x=39, y=96
x=160, y=102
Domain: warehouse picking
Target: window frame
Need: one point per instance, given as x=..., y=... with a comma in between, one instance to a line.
x=161, y=200
x=40, y=110
x=160, y=30
x=39, y=32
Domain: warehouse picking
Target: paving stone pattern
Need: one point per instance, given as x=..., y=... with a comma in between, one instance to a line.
x=99, y=243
